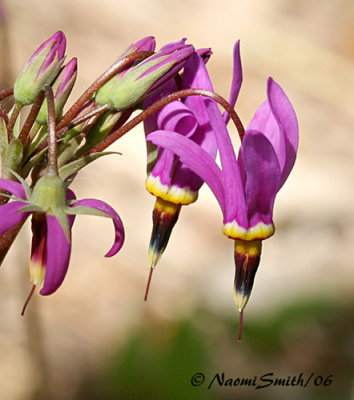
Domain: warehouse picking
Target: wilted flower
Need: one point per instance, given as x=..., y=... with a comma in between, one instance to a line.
x=41, y=69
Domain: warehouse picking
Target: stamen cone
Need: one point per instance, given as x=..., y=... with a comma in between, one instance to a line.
x=164, y=217
x=247, y=257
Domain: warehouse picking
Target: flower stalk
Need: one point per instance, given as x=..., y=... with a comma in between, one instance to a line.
x=115, y=135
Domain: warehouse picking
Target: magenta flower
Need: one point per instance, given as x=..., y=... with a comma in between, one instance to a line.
x=245, y=187
x=171, y=181
x=53, y=210
x=40, y=69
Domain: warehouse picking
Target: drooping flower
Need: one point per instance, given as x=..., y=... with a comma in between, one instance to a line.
x=171, y=181
x=40, y=69
x=53, y=209
x=245, y=187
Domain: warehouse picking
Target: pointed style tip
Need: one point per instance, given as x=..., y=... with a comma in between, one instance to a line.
x=240, y=326
x=28, y=300
x=148, y=284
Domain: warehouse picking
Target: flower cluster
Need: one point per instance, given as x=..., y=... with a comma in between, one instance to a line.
x=185, y=130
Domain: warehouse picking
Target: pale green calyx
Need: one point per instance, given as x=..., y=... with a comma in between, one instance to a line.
x=49, y=194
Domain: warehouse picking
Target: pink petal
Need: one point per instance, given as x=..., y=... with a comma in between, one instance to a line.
x=262, y=177
x=58, y=256
x=118, y=224
x=198, y=160
x=285, y=115
x=14, y=188
x=9, y=215
x=236, y=79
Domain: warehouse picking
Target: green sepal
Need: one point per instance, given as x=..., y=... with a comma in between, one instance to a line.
x=41, y=135
x=68, y=150
x=83, y=210
x=31, y=208
x=22, y=181
x=34, y=161
x=75, y=166
x=16, y=130
x=4, y=142
x=63, y=221
x=12, y=159
x=100, y=130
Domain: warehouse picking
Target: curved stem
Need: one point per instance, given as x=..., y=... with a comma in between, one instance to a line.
x=14, y=115
x=28, y=300
x=31, y=117
x=3, y=115
x=52, y=145
x=108, y=74
x=80, y=120
x=161, y=103
x=6, y=93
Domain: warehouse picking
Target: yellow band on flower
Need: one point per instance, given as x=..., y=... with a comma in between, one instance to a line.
x=259, y=231
x=172, y=193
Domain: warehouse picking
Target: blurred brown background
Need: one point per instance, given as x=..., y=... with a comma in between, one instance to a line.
x=96, y=338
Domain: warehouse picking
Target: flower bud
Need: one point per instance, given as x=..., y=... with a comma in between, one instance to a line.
x=125, y=90
x=62, y=88
x=41, y=68
x=147, y=43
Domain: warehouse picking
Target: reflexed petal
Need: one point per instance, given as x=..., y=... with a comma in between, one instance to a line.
x=13, y=187
x=177, y=117
x=262, y=177
x=199, y=161
x=264, y=121
x=58, y=256
x=236, y=79
x=110, y=212
x=286, y=117
x=9, y=215
x=235, y=207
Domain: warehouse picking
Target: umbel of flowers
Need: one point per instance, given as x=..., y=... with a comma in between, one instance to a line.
x=185, y=124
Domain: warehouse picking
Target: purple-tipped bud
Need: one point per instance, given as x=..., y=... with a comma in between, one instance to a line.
x=62, y=88
x=125, y=90
x=147, y=43
x=40, y=69
x=205, y=54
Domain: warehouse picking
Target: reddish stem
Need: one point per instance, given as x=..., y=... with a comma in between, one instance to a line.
x=28, y=300
x=3, y=115
x=6, y=93
x=13, y=119
x=161, y=103
x=148, y=284
x=108, y=74
x=31, y=117
x=80, y=120
x=52, y=146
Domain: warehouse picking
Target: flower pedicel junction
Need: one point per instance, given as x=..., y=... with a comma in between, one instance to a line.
x=185, y=124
